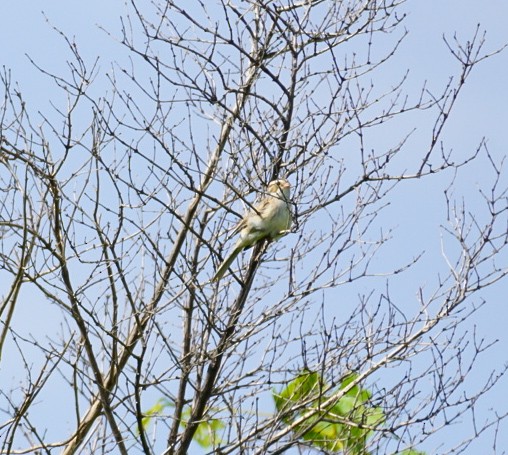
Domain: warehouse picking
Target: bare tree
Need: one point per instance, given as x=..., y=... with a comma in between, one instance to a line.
x=115, y=212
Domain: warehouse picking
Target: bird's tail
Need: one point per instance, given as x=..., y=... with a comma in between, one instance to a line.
x=226, y=263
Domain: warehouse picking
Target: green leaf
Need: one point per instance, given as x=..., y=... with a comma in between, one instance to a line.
x=207, y=433
x=344, y=406
x=156, y=410
x=340, y=428
x=306, y=385
x=326, y=435
x=362, y=395
x=375, y=416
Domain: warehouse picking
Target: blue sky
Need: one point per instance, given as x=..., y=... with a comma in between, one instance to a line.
x=481, y=112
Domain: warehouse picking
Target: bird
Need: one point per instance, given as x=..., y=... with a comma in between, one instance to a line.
x=270, y=219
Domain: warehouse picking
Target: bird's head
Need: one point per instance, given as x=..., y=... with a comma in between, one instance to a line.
x=279, y=187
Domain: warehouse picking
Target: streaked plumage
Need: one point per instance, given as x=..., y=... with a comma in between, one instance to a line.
x=270, y=219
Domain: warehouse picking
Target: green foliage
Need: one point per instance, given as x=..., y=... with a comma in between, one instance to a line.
x=156, y=410
x=345, y=425
x=207, y=433
x=411, y=452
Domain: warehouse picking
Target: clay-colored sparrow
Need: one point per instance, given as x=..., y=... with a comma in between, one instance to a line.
x=270, y=219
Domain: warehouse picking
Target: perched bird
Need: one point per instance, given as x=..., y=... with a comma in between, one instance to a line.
x=270, y=219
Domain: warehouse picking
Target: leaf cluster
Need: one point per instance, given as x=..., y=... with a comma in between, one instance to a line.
x=346, y=426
